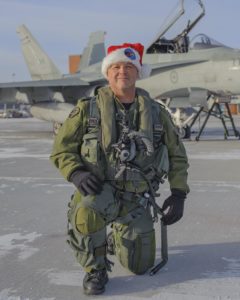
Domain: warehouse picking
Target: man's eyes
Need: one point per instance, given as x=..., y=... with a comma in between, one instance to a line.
x=125, y=67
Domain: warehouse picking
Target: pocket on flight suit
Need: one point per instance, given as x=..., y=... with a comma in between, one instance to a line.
x=91, y=154
x=163, y=160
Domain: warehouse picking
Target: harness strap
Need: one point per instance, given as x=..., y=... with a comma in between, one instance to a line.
x=93, y=118
x=132, y=215
x=100, y=251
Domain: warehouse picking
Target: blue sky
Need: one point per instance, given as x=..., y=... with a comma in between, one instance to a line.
x=62, y=27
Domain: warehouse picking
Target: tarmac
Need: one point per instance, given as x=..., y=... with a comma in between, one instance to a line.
x=37, y=264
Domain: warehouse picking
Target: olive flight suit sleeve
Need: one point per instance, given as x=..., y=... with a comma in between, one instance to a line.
x=66, y=148
x=178, y=161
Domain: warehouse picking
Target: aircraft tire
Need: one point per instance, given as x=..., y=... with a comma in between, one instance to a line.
x=185, y=132
x=56, y=127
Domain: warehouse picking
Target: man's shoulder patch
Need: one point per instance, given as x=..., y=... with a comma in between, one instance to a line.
x=74, y=112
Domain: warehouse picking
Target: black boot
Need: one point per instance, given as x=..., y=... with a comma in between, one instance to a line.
x=94, y=282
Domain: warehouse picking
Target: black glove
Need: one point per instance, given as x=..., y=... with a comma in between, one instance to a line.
x=86, y=182
x=175, y=203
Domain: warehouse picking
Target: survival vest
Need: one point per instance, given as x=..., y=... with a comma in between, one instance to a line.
x=104, y=130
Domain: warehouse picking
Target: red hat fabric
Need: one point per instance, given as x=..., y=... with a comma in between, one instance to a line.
x=126, y=52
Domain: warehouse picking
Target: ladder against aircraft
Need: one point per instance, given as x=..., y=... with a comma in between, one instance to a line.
x=220, y=109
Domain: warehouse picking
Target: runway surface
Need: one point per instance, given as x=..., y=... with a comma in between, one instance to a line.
x=37, y=264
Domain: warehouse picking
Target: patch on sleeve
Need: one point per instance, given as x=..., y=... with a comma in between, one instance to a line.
x=74, y=112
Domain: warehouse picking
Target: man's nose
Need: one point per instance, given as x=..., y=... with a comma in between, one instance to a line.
x=123, y=69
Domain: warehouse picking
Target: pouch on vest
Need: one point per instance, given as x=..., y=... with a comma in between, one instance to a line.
x=91, y=153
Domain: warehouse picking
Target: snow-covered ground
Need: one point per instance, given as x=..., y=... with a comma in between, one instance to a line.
x=37, y=264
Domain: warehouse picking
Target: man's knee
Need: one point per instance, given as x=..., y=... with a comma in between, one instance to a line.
x=88, y=221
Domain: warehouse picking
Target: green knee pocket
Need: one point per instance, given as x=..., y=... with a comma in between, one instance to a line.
x=82, y=247
x=136, y=252
x=88, y=221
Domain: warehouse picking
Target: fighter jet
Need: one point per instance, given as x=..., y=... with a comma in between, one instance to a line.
x=52, y=95
x=186, y=72
x=200, y=72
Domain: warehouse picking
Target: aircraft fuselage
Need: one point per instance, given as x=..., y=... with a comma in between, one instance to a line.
x=215, y=67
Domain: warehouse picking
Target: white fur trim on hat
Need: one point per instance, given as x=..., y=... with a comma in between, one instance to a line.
x=125, y=55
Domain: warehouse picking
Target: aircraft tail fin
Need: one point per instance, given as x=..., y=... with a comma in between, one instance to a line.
x=39, y=64
x=95, y=50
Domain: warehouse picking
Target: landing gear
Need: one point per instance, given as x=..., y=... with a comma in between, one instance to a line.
x=56, y=127
x=184, y=132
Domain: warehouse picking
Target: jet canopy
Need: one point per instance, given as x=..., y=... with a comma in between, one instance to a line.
x=173, y=35
x=202, y=41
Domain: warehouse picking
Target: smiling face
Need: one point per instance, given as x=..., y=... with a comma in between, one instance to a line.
x=122, y=77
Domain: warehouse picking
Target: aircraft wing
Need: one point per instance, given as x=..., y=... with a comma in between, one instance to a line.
x=45, y=83
x=55, y=90
x=161, y=67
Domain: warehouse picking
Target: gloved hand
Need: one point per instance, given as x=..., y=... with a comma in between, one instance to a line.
x=175, y=205
x=86, y=182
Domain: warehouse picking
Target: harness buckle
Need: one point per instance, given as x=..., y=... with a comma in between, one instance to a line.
x=93, y=122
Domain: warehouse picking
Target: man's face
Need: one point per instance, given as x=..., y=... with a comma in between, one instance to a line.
x=122, y=75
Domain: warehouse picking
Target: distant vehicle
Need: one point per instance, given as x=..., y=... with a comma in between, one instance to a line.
x=4, y=114
x=14, y=113
x=186, y=73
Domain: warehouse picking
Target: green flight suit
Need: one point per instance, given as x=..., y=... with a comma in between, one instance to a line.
x=79, y=144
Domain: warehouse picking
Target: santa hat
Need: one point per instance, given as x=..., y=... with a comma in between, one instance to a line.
x=126, y=52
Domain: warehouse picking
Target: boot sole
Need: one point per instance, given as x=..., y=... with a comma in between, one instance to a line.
x=95, y=292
